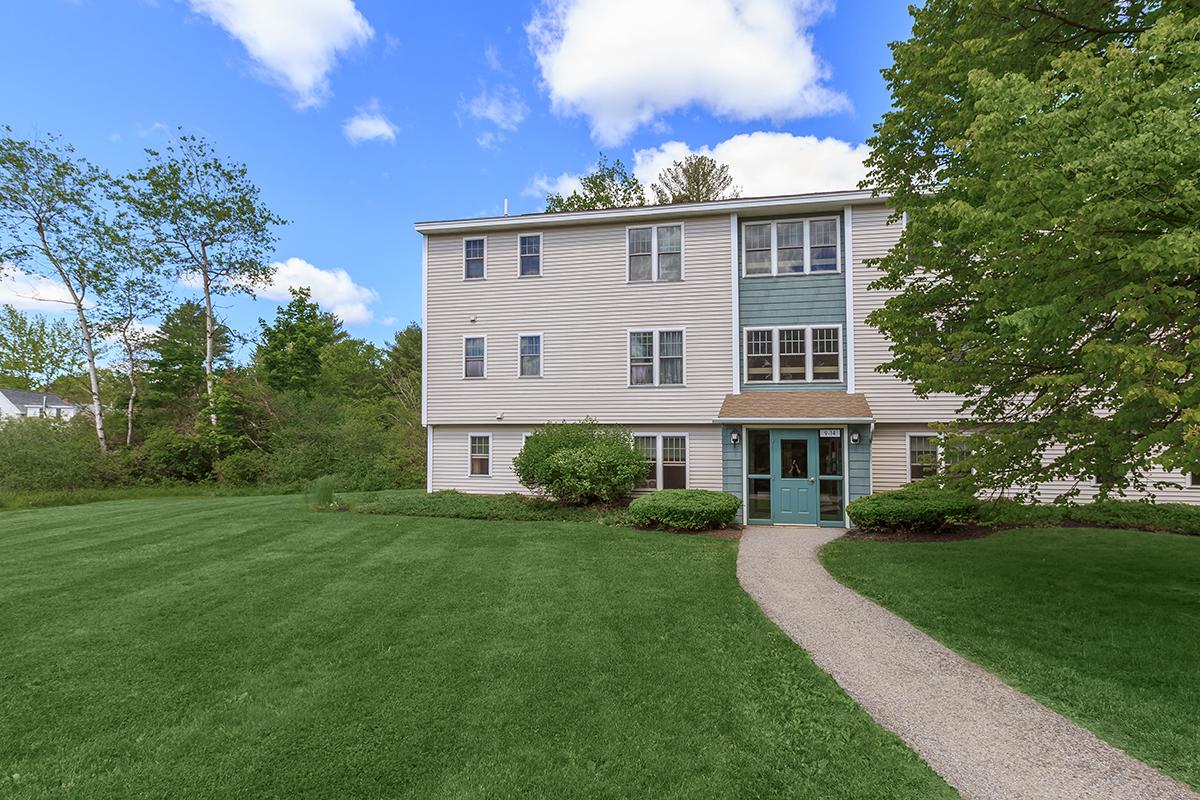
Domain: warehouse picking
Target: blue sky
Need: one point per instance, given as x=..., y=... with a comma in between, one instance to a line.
x=359, y=117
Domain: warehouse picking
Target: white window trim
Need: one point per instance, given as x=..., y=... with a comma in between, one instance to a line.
x=466, y=377
x=541, y=354
x=937, y=448
x=654, y=251
x=491, y=454
x=658, y=455
x=541, y=254
x=485, y=258
x=808, y=354
x=629, y=355
x=808, y=270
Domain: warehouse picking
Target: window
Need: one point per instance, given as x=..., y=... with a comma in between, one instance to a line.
x=474, y=259
x=481, y=455
x=791, y=247
x=922, y=456
x=649, y=447
x=827, y=358
x=757, y=239
x=760, y=356
x=656, y=253
x=666, y=460
x=790, y=243
x=656, y=358
x=792, y=364
x=474, y=357
x=829, y=469
x=758, y=471
x=823, y=252
x=1196, y=479
x=530, y=247
x=808, y=354
x=530, y=353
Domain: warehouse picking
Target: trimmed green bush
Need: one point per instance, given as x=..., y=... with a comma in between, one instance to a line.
x=1136, y=514
x=685, y=509
x=242, y=468
x=913, y=510
x=459, y=505
x=580, y=462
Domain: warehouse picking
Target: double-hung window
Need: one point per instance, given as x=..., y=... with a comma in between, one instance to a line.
x=922, y=456
x=655, y=253
x=666, y=460
x=474, y=357
x=530, y=355
x=791, y=247
x=656, y=358
x=480, y=445
x=1196, y=479
x=530, y=247
x=789, y=355
x=475, y=258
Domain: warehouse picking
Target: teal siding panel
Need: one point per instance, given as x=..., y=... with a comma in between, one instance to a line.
x=731, y=462
x=858, y=463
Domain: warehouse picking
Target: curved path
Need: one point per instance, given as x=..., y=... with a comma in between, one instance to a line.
x=983, y=737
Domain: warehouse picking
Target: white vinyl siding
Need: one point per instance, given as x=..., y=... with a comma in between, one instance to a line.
x=891, y=399
x=450, y=443
x=584, y=307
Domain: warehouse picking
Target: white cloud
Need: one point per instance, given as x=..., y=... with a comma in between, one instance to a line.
x=369, y=124
x=610, y=61
x=503, y=107
x=492, y=57
x=542, y=185
x=769, y=163
x=32, y=292
x=294, y=42
x=334, y=289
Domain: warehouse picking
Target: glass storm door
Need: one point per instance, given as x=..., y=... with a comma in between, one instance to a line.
x=794, y=468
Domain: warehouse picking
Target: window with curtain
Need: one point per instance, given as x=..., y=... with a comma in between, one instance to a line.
x=641, y=358
x=648, y=445
x=656, y=358
x=481, y=455
x=474, y=357
x=531, y=356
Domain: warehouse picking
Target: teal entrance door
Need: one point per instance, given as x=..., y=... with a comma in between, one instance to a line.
x=794, y=495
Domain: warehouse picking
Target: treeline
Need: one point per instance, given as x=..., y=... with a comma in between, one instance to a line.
x=165, y=398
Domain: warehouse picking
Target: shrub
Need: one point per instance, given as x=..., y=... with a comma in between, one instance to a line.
x=580, y=462
x=913, y=510
x=49, y=454
x=603, y=471
x=450, y=503
x=685, y=509
x=242, y=468
x=320, y=492
x=168, y=455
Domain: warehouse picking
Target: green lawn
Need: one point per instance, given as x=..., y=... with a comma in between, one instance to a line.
x=1100, y=625
x=221, y=647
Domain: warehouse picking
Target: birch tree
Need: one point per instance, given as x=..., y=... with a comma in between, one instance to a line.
x=136, y=296
x=58, y=221
x=207, y=220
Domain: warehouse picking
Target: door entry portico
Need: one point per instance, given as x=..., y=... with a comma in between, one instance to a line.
x=794, y=473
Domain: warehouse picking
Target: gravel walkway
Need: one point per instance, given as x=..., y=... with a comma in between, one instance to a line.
x=983, y=737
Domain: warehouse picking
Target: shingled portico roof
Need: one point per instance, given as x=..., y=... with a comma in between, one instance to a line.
x=783, y=407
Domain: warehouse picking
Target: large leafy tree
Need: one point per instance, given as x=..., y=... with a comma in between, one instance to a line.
x=607, y=186
x=1045, y=155
x=35, y=351
x=289, y=350
x=206, y=219
x=696, y=179
x=61, y=218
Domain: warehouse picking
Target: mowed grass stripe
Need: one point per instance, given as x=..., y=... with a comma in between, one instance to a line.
x=274, y=652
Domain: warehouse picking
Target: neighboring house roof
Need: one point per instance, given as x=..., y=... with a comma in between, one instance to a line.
x=22, y=398
x=809, y=406
x=797, y=203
